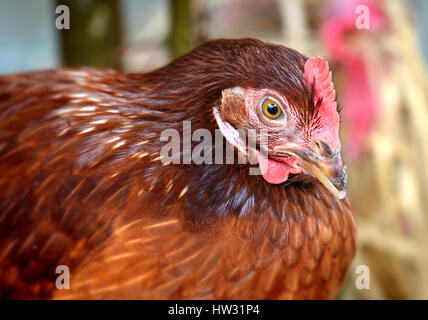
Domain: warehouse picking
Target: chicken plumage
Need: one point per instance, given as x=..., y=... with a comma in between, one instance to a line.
x=83, y=183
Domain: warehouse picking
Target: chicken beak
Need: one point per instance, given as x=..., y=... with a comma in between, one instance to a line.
x=329, y=171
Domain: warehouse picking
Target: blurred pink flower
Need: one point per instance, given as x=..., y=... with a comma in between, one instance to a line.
x=359, y=96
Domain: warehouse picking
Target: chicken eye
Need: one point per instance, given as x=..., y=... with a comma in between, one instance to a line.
x=271, y=109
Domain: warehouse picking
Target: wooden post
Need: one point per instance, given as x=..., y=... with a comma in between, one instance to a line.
x=181, y=35
x=94, y=37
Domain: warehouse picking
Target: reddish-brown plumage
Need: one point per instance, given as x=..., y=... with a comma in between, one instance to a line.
x=82, y=185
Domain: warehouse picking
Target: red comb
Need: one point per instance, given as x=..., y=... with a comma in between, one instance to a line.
x=317, y=72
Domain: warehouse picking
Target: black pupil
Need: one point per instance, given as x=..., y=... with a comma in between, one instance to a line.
x=272, y=109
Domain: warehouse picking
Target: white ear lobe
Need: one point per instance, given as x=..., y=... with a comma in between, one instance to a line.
x=229, y=132
x=237, y=91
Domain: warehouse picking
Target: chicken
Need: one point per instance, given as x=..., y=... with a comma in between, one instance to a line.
x=84, y=183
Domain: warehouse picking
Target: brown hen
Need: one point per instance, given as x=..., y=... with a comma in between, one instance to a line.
x=84, y=182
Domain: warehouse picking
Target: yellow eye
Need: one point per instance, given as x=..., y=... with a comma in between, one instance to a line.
x=271, y=109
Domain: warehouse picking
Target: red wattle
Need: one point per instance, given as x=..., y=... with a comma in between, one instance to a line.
x=274, y=172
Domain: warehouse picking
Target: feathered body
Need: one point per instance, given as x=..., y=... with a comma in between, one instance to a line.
x=82, y=184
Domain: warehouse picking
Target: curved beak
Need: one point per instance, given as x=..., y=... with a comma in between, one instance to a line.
x=330, y=171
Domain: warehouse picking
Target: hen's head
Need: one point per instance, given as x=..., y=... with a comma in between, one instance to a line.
x=256, y=86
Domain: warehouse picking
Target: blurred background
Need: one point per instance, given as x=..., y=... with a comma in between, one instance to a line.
x=379, y=69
